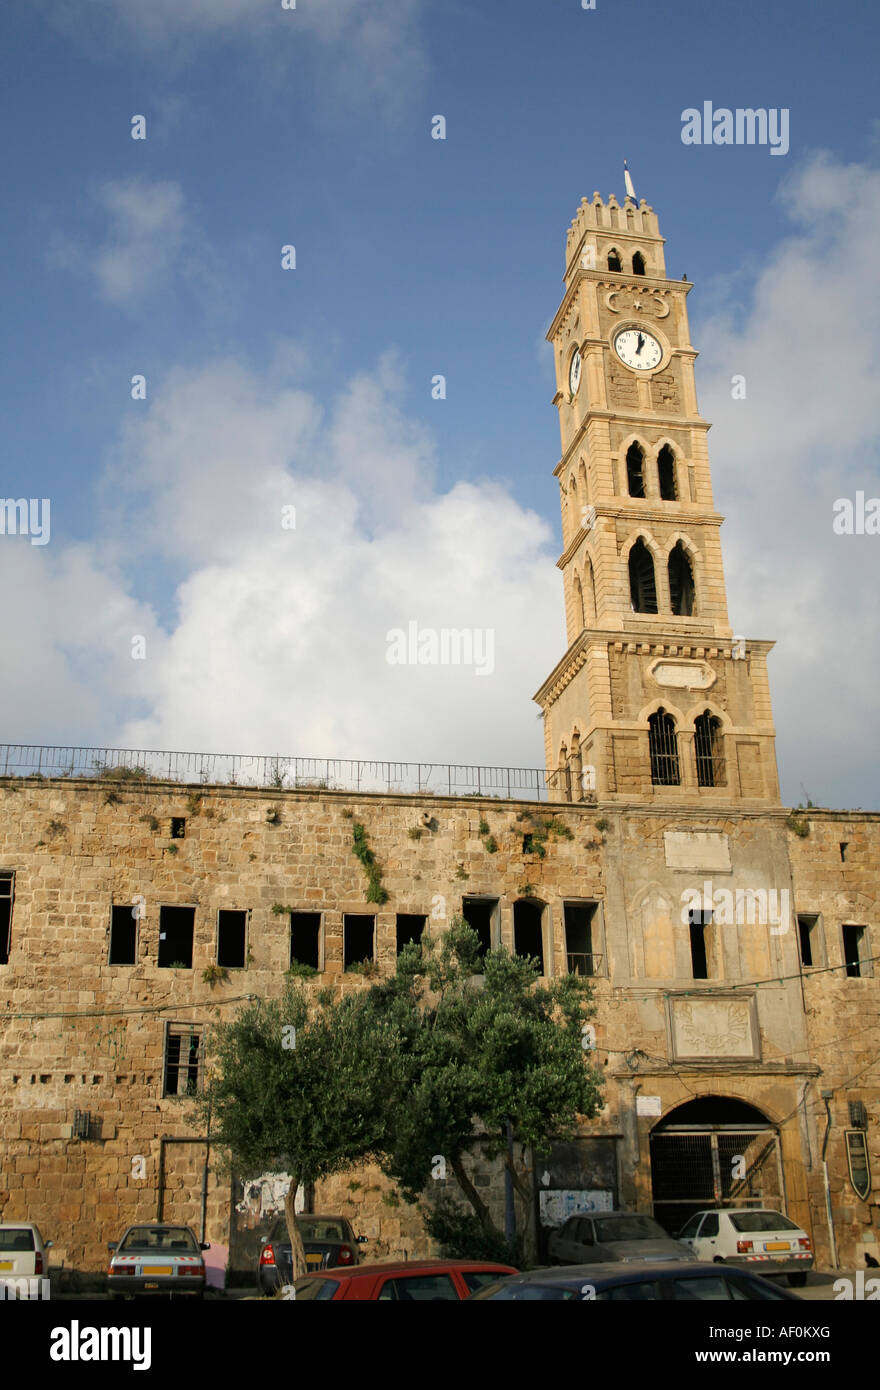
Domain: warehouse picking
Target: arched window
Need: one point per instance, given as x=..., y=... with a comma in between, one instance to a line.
x=614, y=260
x=574, y=519
x=663, y=745
x=579, y=615
x=589, y=593
x=635, y=470
x=708, y=747
x=638, y=264
x=642, y=586
x=666, y=474
x=681, y=582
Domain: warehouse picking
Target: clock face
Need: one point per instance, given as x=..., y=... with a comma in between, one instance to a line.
x=574, y=372
x=638, y=349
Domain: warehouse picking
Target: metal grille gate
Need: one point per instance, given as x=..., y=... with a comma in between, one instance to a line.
x=724, y=1165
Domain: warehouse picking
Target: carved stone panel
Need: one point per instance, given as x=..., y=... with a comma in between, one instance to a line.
x=715, y=1027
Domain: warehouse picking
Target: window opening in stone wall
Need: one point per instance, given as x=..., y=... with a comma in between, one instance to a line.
x=642, y=586
x=663, y=747
x=183, y=1059
x=853, y=950
x=666, y=474
x=579, y=938
x=358, y=930
x=410, y=927
x=844, y=846
x=614, y=260
x=808, y=933
x=698, y=925
x=176, y=926
x=479, y=914
x=707, y=746
x=638, y=263
x=7, y=890
x=123, y=935
x=305, y=939
x=681, y=582
x=232, y=938
x=528, y=934
x=635, y=470
x=178, y=827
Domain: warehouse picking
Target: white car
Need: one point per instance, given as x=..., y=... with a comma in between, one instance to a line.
x=760, y=1240
x=23, y=1251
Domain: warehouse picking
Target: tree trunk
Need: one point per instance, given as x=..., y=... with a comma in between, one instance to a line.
x=482, y=1211
x=298, y=1254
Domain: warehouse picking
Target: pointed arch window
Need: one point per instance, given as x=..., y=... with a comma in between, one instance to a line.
x=614, y=260
x=589, y=592
x=663, y=746
x=642, y=584
x=708, y=746
x=635, y=470
x=666, y=474
x=638, y=264
x=681, y=582
x=579, y=613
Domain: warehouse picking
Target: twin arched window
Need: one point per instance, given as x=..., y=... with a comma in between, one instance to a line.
x=615, y=263
x=663, y=749
x=643, y=584
x=666, y=478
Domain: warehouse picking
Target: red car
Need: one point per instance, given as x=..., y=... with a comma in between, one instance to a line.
x=408, y=1281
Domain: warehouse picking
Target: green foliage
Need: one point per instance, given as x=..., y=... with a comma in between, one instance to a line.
x=484, y=826
x=151, y=821
x=462, y=1236
x=798, y=823
x=533, y=844
x=474, y=1055
x=178, y=965
x=278, y=909
x=415, y=832
x=526, y=890
x=367, y=968
x=193, y=803
x=55, y=827
x=215, y=974
x=120, y=774
x=376, y=892
x=490, y=844
x=602, y=824
x=172, y=849
x=460, y=872
x=298, y=970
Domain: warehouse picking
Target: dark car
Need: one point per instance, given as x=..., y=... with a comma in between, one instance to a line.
x=327, y=1240
x=636, y=1283
x=154, y=1258
x=407, y=1281
x=613, y=1235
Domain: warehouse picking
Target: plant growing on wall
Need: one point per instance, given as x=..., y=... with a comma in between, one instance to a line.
x=215, y=975
x=376, y=892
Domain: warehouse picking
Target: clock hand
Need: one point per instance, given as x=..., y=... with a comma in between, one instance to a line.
x=641, y=341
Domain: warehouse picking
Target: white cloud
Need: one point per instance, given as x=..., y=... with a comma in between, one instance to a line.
x=806, y=434
x=147, y=239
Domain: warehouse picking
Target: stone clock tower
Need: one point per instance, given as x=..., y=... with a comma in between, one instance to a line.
x=656, y=697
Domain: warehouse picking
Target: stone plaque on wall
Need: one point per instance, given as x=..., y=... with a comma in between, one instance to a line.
x=697, y=849
x=686, y=675
x=718, y=1026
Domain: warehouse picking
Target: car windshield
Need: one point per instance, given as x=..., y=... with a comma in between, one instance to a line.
x=169, y=1239
x=316, y=1289
x=750, y=1222
x=316, y=1229
x=526, y=1293
x=629, y=1228
x=16, y=1241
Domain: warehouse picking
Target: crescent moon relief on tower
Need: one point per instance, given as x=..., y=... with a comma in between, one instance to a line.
x=632, y=299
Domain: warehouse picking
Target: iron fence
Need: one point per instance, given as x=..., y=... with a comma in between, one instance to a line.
x=277, y=771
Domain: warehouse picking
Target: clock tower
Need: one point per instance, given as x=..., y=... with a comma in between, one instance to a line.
x=656, y=698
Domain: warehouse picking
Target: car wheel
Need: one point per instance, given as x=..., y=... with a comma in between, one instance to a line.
x=718, y=1260
x=797, y=1281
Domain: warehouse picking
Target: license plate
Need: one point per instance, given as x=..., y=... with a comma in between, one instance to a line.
x=314, y=1259
x=151, y=1286
x=777, y=1245
x=156, y=1269
x=7, y=1264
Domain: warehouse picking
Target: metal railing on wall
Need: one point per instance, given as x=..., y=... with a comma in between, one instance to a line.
x=280, y=772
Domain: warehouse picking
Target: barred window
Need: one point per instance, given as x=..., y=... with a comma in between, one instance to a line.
x=663, y=745
x=183, y=1059
x=708, y=747
x=7, y=892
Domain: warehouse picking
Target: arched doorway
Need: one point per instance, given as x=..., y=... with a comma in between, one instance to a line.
x=714, y=1151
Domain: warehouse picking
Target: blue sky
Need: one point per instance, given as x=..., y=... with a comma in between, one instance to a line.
x=414, y=257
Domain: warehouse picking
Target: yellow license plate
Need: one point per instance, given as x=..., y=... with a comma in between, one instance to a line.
x=156, y=1269
x=777, y=1245
x=7, y=1264
x=314, y=1259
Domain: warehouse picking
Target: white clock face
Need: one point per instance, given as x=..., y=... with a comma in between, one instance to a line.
x=638, y=349
x=574, y=372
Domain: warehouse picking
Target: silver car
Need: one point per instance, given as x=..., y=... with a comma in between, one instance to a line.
x=23, y=1252
x=614, y=1237
x=155, y=1258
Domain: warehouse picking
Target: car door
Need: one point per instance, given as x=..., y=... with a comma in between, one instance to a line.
x=706, y=1245
x=688, y=1233
x=587, y=1249
x=564, y=1247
